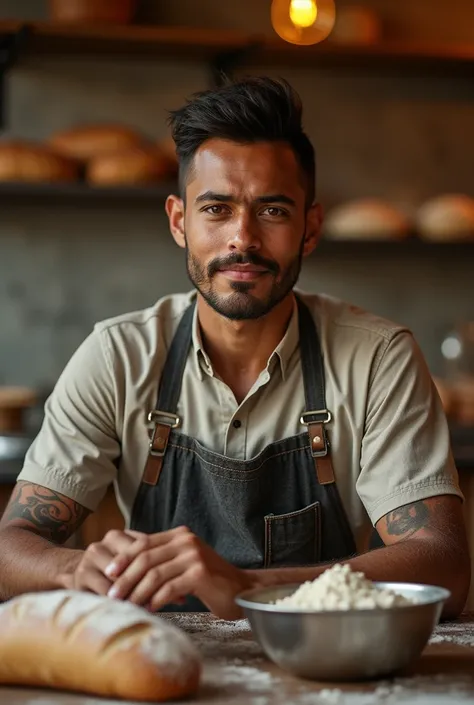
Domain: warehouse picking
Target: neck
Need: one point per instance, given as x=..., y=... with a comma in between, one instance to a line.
x=239, y=350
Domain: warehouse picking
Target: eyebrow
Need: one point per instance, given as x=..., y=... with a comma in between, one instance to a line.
x=227, y=198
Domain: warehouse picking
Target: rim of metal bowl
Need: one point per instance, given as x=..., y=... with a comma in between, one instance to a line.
x=440, y=594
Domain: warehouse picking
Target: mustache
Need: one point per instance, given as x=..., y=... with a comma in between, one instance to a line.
x=236, y=258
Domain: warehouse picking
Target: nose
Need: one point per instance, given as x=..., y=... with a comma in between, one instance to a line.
x=245, y=235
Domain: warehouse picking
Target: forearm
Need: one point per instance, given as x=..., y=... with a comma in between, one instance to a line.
x=30, y=563
x=416, y=560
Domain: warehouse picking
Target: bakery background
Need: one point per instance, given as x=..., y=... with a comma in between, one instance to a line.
x=392, y=129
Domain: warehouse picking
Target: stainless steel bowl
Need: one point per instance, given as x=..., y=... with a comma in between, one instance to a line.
x=344, y=645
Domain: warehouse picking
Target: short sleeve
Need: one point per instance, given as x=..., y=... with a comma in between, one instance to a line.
x=76, y=448
x=405, y=454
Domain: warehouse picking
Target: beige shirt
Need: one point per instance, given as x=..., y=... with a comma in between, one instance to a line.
x=388, y=434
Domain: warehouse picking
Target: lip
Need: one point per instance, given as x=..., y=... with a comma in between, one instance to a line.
x=243, y=273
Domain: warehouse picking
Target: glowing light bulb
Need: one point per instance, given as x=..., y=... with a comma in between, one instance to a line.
x=303, y=13
x=303, y=21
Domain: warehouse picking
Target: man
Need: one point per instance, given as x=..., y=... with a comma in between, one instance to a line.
x=253, y=435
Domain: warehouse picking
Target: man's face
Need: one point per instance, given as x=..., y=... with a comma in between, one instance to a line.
x=245, y=226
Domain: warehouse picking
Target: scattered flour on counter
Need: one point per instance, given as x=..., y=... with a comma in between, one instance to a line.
x=460, y=633
x=340, y=588
x=247, y=678
x=223, y=640
x=419, y=690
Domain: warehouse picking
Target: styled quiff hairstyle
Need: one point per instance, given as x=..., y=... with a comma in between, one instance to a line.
x=256, y=109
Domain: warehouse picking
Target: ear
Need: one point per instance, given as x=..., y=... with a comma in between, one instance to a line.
x=314, y=223
x=175, y=211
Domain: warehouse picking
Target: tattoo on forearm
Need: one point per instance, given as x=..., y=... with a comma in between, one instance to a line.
x=407, y=520
x=47, y=513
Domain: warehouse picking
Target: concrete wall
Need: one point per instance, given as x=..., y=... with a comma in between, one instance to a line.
x=404, y=139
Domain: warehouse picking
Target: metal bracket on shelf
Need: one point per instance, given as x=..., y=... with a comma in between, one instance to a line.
x=223, y=64
x=10, y=47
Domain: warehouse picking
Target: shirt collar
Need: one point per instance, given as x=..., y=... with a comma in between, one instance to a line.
x=282, y=353
x=288, y=344
x=201, y=359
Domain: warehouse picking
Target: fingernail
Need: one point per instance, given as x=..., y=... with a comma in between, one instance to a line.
x=111, y=570
x=113, y=592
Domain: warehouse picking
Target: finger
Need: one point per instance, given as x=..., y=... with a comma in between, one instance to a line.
x=174, y=591
x=155, y=578
x=150, y=561
x=140, y=543
x=98, y=555
x=92, y=580
x=117, y=541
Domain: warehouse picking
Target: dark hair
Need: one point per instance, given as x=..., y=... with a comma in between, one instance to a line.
x=247, y=111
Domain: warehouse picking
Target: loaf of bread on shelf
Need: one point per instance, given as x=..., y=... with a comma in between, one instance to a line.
x=70, y=640
x=366, y=219
x=168, y=148
x=85, y=142
x=128, y=167
x=92, y=11
x=447, y=218
x=25, y=161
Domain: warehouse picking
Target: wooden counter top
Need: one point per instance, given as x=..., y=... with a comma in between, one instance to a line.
x=237, y=673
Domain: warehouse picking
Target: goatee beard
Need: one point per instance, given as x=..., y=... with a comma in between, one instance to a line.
x=241, y=305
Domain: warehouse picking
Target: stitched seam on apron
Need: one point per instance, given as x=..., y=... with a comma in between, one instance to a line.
x=241, y=472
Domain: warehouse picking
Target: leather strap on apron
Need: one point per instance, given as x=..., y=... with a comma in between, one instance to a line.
x=164, y=418
x=315, y=417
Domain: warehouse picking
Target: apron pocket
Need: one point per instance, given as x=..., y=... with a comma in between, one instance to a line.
x=293, y=539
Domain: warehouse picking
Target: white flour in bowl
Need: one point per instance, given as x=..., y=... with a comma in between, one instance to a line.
x=340, y=588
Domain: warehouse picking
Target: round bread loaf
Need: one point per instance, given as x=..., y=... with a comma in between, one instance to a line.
x=88, y=141
x=23, y=161
x=70, y=640
x=168, y=148
x=367, y=219
x=446, y=218
x=356, y=25
x=131, y=167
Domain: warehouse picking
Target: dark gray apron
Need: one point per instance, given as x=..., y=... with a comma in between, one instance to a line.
x=281, y=508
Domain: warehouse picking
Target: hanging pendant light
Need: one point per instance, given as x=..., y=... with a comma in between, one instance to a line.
x=303, y=21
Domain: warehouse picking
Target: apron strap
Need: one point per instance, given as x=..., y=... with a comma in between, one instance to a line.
x=164, y=417
x=316, y=415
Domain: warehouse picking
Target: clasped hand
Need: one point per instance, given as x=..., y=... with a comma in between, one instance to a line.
x=153, y=570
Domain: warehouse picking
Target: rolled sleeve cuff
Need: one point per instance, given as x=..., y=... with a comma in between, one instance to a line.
x=411, y=493
x=59, y=481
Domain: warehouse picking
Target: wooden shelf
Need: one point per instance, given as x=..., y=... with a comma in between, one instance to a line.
x=81, y=193
x=209, y=44
x=153, y=196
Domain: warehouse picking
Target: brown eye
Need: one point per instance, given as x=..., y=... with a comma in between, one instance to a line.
x=214, y=210
x=274, y=212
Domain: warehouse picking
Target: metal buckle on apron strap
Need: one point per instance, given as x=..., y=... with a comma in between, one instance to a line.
x=315, y=421
x=316, y=417
x=159, y=440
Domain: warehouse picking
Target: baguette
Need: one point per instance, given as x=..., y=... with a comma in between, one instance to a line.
x=71, y=640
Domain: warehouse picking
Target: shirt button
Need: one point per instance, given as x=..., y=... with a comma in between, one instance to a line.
x=237, y=423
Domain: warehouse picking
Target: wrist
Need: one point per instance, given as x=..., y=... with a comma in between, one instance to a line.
x=67, y=563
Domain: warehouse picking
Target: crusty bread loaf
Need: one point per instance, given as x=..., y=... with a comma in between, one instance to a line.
x=367, y=219
x=85, y=142
x=78, y=641
x=447, y=218
x=23, y=161
x=134, y=166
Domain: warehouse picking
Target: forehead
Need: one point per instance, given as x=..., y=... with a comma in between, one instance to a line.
x=246, y=169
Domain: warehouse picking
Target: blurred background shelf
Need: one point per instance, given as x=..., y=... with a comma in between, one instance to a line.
x=45, y=38
x=81, y=193
x=154, y=196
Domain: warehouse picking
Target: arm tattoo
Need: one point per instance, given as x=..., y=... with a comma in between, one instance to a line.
x=45, y=512
x=406, y=521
